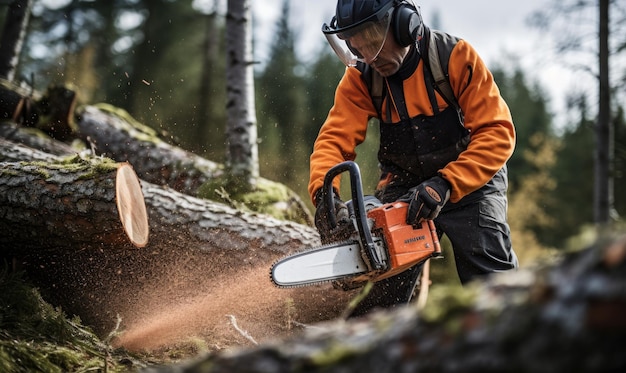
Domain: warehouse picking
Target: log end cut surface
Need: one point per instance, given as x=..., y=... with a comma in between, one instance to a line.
x=131, y=205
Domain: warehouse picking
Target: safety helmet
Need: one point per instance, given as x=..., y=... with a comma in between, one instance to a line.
x=369, y=21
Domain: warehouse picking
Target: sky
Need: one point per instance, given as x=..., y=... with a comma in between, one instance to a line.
x=497, y=29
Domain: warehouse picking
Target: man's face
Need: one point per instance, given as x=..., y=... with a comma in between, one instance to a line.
x=386, y=59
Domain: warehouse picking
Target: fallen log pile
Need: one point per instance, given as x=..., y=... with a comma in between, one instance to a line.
x=65, y=222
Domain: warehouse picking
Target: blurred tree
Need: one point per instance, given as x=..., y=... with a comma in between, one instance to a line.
x=12, y=38
x=166, y=69
x=283, y=110
x=619, y=123
x=242, y=159
x=529, y=110
x=322, y=78
x=606, y=44
x=212, y=86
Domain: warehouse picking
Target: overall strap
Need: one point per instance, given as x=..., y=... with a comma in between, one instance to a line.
x=440, y=47
x=375, y=84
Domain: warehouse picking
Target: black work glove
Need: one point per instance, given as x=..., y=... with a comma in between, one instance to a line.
x=426, y=200
x=327, y=233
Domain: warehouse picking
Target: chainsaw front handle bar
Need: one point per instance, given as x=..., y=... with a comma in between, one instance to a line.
x=356, y=188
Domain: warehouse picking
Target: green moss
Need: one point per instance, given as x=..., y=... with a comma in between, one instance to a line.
x=34, y=336
x=88, y=166
x=447, y=302
x=266, y=197
x=334, y=353
x=144, y=133
x=8, y=173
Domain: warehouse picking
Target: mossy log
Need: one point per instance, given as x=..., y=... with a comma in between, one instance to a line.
x=568, y=317
x=115, y=134
x=59, y=223
x=31, y=177
x=67, y=205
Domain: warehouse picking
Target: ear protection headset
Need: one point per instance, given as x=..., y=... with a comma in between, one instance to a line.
x=406, y=23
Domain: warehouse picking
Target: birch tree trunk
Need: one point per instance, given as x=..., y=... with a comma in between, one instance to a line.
x=242, y=152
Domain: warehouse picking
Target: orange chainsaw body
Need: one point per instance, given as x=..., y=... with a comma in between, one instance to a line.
x=406, y=245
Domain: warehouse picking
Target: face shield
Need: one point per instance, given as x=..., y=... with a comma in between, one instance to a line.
x=362, y=42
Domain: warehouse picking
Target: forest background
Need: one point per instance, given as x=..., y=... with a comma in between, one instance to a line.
x=164, y=62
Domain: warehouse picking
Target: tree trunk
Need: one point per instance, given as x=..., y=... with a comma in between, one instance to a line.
x=14, y=152
x=241, y=133
x=603, y=160
x=70, y=205
x=115, y=134
x=62, y=224
x=68, y=196
x=15, y=24
x=208, y=86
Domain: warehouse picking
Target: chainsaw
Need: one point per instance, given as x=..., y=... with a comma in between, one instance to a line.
x=382, y=243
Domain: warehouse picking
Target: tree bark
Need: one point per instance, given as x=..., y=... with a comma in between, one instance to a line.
x=15, y=152
x=241, y=131
x=57, y=197
x=69, y=205
x=115, y=134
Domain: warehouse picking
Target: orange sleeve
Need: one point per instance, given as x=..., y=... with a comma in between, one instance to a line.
x=488, y=118
x=344, y=128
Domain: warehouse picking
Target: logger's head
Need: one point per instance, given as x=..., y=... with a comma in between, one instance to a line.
x=360, y=28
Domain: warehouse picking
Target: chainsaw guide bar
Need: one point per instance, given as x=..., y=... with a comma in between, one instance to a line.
x=319, y=265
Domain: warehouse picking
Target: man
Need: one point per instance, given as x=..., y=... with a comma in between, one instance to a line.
x=445, y=157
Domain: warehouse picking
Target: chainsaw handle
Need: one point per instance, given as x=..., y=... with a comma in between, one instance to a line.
x=328, y=197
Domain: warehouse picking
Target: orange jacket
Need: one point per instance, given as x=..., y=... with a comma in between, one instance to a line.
x=487, y=116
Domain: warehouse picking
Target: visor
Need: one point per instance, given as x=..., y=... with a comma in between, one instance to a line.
x=360, y=43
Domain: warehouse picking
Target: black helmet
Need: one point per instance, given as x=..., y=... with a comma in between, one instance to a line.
x=352, y=13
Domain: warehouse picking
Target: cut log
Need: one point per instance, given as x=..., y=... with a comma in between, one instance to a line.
x=11, y=103
x=60, y=224
x=52, y=113
x=31, y=178
x=70, y=204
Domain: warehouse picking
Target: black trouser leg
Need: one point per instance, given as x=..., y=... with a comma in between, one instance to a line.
x=390, y=292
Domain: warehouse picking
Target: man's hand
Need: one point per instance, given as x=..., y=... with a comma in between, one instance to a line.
x=327, y=233
x=426, y=200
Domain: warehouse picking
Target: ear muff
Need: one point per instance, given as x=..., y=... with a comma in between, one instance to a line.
x=407, y=24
